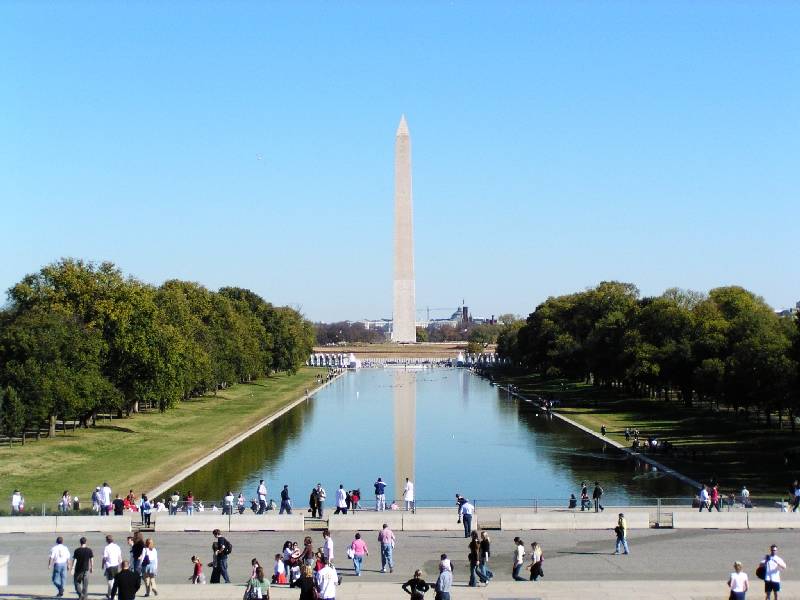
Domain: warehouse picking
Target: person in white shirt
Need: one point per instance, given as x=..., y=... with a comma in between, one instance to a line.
x=772, y=572
x=341, y=500
x=705, y=499
x=227, y=504
x=738, y=582
x=327, y=546
x=112, y=558
x=466, y=517
x=149, y=567
x=408, y=494
x=326, y=579
x=519, y=559
x=105, y=499
x=745, y=494
x=16, y=502
x=262, y=497
x=59, y=557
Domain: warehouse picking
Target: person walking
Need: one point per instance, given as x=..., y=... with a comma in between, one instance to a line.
x=126, y=583
x=326, y=580
x=327, y=545
x=386, y=540
x=341, y=500
x=597, y=495
x=145, y=509
x=105, y=499
x=474, y=560
x=380, y=495
x=537, y=558
x=738, y=582
x=59, y=563
x=82, y=566
x=137, y=550
x=150, y=567
x=705, y=499
x=773, y=565
x=467, y=510
x=313, y=502
x=519, y=559
x=174, y=500
x=261, y=493
x=715, y=497
x=416, y=584
x=408, y=494
x=359, y=550
x=286, y=501
x=224, y=548
x=622, y=534
x=444, y=582
x=485, y=553
x=112, y=558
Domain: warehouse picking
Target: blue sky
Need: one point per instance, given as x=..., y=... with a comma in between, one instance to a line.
x=555, y=145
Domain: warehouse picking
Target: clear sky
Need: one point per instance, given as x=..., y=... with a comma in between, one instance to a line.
x=555, y=145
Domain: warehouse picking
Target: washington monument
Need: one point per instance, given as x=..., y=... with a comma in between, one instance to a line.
x=403, y=319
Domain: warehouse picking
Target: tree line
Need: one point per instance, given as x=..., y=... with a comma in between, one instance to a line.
x=78, y=339
x=725, y=346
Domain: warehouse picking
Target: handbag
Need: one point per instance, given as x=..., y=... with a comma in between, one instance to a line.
x=349, y=552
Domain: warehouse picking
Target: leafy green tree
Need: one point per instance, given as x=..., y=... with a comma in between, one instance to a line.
x=422, y=334
x=55, y=363
x=142, y=355
x=12, y=414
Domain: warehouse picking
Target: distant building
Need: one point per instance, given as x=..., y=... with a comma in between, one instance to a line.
x=789, y=312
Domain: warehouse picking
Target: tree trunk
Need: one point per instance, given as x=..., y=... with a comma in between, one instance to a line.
x=51, y=433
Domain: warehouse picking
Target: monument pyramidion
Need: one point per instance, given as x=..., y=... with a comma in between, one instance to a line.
x=404, y=315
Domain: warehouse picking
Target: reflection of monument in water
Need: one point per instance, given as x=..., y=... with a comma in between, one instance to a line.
x=405, y=426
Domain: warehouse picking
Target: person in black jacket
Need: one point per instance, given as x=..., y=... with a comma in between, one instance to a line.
x=126, y=583
x=416, y=584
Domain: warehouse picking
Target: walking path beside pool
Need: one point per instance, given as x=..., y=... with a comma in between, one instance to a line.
x=578, y=564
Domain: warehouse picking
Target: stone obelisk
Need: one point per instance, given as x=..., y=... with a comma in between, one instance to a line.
x=403, y=319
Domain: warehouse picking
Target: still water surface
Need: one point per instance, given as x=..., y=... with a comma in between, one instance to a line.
x=448, y=430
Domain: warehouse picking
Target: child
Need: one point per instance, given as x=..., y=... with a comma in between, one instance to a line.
x=279, y=573
x=197, y=573
x=254, y=564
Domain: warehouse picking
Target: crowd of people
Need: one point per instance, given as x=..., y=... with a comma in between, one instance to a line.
x=311, y=569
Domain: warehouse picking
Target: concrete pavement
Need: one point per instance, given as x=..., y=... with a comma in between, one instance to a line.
x=692, y=563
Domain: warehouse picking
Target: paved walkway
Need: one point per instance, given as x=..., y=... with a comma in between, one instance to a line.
x=578, y=564
x=541, y=590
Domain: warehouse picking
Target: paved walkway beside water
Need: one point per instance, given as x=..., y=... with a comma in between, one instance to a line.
x=577, y=563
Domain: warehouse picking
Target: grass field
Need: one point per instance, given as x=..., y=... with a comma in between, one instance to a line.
x=710, y=443
x=143, y=450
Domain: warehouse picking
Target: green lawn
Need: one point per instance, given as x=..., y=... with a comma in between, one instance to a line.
x=143, y=450
x=709, y=442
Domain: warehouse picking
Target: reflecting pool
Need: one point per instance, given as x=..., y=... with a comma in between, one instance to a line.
x=448, y=430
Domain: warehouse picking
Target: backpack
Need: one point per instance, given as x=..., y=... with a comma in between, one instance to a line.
x=228, y=547
x=761, y=569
